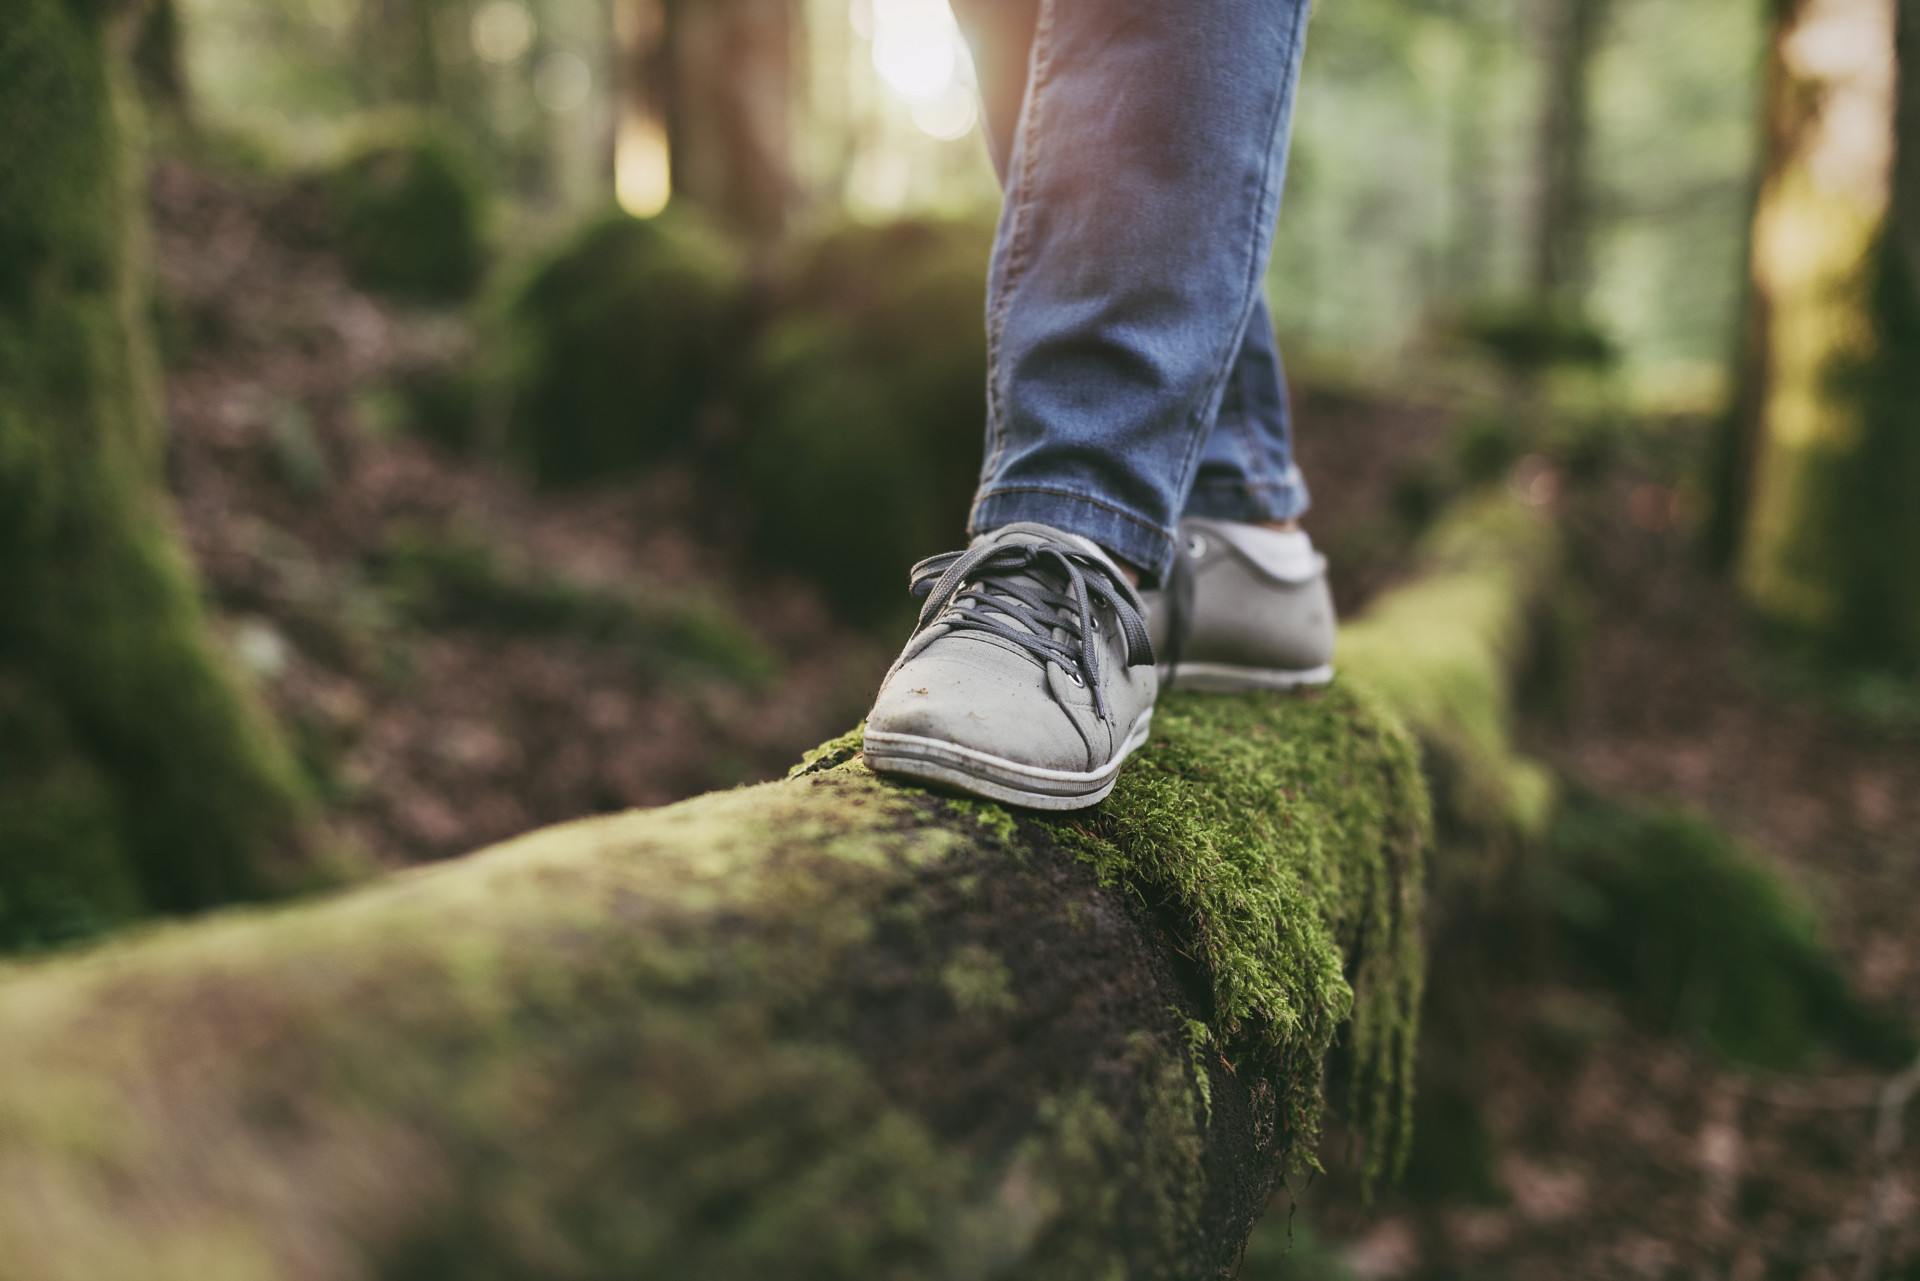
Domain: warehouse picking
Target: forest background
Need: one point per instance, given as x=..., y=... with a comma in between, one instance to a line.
x=553, y=394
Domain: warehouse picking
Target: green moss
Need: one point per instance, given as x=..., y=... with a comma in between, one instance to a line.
x=1261, y=874
x=866, y=408
x=1442, y=652
x=622, y=338
x=461, y=580
x=410, y=214
x=63, y=871
x=834, y=753
x=173, y=782
x=1706, y=939
x=821, y=1028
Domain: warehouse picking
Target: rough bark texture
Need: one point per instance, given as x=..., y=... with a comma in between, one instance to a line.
x=134, y=774
x=1830, y=444
x=828, y=1027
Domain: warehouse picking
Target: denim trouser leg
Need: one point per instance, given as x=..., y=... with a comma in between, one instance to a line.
x=1143, y=148
x=1246, y=467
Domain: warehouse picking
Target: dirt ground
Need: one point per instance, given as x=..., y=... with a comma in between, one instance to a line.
x=1629, y=1156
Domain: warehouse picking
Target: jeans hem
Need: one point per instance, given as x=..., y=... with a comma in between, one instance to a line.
x=1248, y=501
x=1132, y=538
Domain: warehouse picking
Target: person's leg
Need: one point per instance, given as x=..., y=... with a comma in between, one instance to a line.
x=1143, y=174
x=1246, y=469
x=1247, y=472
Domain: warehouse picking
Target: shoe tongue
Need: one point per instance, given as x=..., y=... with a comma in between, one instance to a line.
x=1029, y=531
x=1032, y=531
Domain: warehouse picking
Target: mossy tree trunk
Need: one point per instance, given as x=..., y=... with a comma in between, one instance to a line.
x=822, y=1028
x=134, y=774
x=1825, y=456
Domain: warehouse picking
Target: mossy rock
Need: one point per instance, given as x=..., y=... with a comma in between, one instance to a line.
x=457, y=579
x=1706, y=939
x=622, y=339
x=867, y=406
x=829, y=1027
x=410, y=214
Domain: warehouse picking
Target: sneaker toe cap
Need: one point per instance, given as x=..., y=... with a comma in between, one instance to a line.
x=976, y=705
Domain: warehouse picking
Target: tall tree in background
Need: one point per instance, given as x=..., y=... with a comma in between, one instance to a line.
x=1561, y=270
x=720, y=76
x=135, y=774
x=1819, y=512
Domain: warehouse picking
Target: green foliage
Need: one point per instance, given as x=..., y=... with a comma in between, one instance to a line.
x=867, y=406
x=454, y=581
x=410, y=215
x=1705, y=938
x=146, y=777
x=623, y=336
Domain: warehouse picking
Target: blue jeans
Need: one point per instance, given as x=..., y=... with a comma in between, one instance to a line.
x=1132, y=373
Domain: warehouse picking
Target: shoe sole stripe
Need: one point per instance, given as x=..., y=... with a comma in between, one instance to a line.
x=980, y=773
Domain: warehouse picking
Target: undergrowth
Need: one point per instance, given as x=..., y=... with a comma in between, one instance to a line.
x=1705, y=939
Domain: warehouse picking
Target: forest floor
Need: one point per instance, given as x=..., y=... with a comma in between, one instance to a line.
x=1623, y=1153
x=461, y=658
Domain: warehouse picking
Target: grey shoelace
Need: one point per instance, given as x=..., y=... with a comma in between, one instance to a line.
x=978, y=590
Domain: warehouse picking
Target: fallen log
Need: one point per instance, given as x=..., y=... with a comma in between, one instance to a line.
x=825, y=1027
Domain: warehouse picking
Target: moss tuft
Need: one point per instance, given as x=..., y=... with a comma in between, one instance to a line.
x=1442, y=651
x=1285, y=836
x=867, y=406
x=1706, y=939
x=621, y=338
x=461, y=580
x=409, y=213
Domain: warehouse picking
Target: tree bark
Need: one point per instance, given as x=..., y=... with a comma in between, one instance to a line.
x=1563, y=219
x=828, y=1027
x=1829, y=541
x=134, y=773
x=725, y=77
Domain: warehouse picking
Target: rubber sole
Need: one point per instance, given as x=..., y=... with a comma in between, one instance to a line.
x=1225, y=678
x=963, y=769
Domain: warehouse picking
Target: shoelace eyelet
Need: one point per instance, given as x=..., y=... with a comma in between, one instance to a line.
x=1196, y=546
x=1075, y=678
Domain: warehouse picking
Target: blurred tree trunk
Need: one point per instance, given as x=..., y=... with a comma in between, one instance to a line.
x=722, y=75
x=159, y=60
x=1563, y=218
x=134, y=774
x=1824, y=455
x=399, y=61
